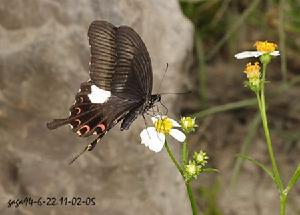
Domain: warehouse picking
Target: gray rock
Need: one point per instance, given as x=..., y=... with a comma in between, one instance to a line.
x=44, y=57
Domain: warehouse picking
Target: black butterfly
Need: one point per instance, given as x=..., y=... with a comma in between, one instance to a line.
x=120, y=83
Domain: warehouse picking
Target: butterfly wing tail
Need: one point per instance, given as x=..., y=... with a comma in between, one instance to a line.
x=54, y=124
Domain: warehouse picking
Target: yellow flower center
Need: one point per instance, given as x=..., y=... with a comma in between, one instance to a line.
x=252, y=70
x=163, y=125
x=265, y=46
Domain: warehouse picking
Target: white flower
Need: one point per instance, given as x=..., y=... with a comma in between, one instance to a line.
x=154, y=137
x=248, y=54
x=262, y=47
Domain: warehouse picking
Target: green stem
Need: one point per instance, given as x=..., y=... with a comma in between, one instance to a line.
x=258, y=102
x=184, y=154
x=192, y=199
x=173, y=158
x=294, y=179
x=283, y=197
x=188, y=187
x=262, y=105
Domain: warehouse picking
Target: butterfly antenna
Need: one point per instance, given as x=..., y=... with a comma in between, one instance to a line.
x=180, y=93
x=160, y=84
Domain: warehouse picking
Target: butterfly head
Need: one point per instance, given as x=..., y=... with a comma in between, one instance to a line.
x=153, y=99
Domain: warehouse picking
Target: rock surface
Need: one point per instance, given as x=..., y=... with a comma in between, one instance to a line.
x=44, y=56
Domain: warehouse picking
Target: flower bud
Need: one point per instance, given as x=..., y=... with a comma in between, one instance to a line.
x=188, y=124
x=200, y=158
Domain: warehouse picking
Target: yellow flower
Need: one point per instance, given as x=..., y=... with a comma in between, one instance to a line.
x=261, y=49
x=253, y=75
x=252, y=70
x=265, y=46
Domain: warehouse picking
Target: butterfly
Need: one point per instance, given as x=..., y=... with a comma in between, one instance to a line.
x=120, y=85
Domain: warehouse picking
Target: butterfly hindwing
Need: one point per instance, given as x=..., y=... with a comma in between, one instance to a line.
x=85, y=118
x=88, y=118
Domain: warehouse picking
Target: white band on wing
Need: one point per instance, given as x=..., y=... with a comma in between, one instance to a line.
x=98, y=95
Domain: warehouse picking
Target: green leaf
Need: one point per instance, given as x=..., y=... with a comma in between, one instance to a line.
x=294, y=179
x=210, y=170
x=263, y=167
x=226, y=107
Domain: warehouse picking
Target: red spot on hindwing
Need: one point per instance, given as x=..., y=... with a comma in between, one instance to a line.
x=84, y=129
x=78, y=110
x=102, y=127
x=77, y=120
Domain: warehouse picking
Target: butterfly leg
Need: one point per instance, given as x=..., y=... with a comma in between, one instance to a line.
x=146, y=124
x=166, y=114
x=145, y=121
x=152, y=113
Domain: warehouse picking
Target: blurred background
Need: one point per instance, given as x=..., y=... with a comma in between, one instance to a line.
x=44, y=56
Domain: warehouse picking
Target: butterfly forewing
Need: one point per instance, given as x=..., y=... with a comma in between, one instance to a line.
x=102, y=40
x=120, y=61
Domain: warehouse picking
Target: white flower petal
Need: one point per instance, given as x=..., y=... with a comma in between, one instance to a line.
x=247, y=54
x=145, y=136
x=152, y=139
x=175, y=123
x=178, y=135
x=275, y=53
x=157, y=144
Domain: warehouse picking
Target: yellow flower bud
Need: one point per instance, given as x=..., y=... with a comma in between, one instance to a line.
x=253, y=74
x=188, y=124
